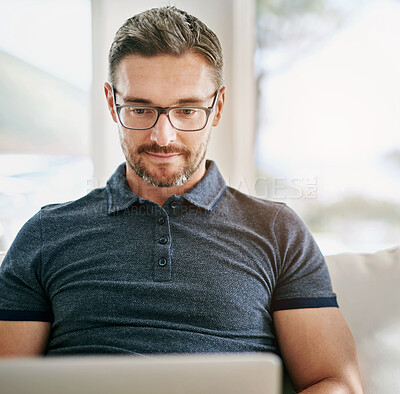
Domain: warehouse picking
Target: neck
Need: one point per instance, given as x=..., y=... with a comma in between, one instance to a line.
x=157, y=194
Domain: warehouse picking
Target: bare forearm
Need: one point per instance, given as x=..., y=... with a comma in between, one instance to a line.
x=332, y=386
x=23, y=338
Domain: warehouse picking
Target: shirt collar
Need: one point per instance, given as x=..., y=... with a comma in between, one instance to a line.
x=119, y=195
x=205, y=194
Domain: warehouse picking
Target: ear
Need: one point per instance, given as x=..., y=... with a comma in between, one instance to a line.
x=219, y=107
x=110, y=100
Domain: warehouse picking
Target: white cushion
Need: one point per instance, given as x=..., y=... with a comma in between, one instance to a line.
x=2, y=254
x=368, y=291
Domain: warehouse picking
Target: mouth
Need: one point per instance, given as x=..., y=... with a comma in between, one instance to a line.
x=162, y=157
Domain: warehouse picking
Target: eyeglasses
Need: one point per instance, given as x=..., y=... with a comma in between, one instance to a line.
x=142, y=117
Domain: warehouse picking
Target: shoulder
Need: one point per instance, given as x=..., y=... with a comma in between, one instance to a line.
x=234, y=196
x=56, y=217
x=258, y=207
x=281, y=221
x=94, y=201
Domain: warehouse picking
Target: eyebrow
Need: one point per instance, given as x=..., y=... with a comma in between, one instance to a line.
x=188, y=100
x=135, y=100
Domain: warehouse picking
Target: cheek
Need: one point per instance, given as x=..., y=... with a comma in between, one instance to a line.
x=205, y=138
x=194, y=143
x=131, y=139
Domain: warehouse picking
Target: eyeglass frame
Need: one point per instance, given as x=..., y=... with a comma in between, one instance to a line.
x=164, y=110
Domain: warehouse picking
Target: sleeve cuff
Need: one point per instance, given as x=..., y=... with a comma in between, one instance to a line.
x=26, y=316
x=300, y=303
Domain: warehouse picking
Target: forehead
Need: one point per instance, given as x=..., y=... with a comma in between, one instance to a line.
x=165, y=78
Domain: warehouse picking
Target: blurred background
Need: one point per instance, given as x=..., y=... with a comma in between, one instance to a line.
x=312, y=115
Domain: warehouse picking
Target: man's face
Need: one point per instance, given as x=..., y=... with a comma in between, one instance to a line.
x=162, y=155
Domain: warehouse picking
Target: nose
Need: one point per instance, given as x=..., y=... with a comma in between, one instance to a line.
x=163, y=133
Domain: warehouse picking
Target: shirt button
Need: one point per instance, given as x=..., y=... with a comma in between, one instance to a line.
x=163, y=240
x=174, y=204
x=161, y=220
x=162, y=262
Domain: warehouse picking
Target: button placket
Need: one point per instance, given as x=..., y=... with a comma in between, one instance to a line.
x=175, y=207
x=161, y=220
x=162, y=257
x=162, y=262
x=163, y=240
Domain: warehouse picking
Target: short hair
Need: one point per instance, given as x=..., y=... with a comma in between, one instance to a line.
x=165, y=31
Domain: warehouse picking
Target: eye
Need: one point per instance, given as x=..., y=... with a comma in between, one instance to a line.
x=186, y=112
x=139, y=111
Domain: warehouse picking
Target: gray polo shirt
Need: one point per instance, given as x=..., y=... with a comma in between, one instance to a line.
x=115, y=273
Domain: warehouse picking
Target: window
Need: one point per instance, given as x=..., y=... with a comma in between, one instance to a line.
x=328, y=117
x=45, y=76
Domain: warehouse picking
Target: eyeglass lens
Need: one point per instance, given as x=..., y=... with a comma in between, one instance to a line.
x=184, y=118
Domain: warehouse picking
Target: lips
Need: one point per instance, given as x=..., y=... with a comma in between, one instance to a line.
x=162, y=157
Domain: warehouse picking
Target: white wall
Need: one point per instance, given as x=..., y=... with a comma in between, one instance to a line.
x=231, y=144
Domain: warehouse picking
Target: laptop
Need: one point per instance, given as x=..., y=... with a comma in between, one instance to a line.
x=237, y=373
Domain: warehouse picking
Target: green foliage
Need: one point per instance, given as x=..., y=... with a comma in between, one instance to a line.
x=320, y=217
x=288, y=8
x=286, y=22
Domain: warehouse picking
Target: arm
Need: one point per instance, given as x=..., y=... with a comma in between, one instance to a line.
x=23, y=338
x=318, y=350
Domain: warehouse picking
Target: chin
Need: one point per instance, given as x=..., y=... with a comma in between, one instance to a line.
x=165, y=179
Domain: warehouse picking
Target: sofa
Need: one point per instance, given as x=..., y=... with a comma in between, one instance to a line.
x=368, y=292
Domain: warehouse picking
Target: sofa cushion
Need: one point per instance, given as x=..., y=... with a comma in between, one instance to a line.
x=368, y=292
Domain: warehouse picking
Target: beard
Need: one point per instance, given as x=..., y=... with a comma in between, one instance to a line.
x=163, y=176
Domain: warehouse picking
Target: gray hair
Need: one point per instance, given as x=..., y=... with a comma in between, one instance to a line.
x=165, y=31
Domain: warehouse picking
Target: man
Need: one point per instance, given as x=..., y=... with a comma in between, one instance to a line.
x=166, y=258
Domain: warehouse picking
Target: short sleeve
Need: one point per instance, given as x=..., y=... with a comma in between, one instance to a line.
x=22, y=296
x=303, y=277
